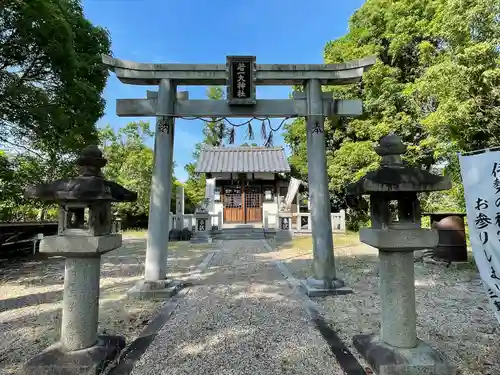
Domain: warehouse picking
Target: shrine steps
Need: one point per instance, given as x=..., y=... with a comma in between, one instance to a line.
x=241, y=233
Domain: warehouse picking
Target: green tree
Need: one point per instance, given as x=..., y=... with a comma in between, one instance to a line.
x=51, y=81
x=51, y=75
x=436, y=83
x=249, y=145
x=130, y=163
x=17, y=171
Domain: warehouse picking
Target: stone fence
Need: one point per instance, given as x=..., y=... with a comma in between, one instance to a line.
x=303, y=224
x=271, y=222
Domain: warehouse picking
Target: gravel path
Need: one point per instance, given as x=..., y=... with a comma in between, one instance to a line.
x=241, y=318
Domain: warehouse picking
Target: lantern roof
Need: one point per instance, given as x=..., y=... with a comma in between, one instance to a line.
x=89, y=186
x=394, y=176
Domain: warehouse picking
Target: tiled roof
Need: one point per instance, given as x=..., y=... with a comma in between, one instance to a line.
x=242, y=159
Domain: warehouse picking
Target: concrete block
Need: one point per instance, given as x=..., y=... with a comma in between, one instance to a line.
x=90, y=361
x=318, y=288
x=399, y=239
x=162, y=289
x=389, y=360
x=80, y=246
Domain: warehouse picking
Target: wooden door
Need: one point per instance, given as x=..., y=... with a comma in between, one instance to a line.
x=233, y=204
x=253, y=204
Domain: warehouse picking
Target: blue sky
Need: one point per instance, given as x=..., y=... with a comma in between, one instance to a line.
x=205, y=31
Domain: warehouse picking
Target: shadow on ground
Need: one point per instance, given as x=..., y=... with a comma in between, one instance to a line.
x=31, y=295
x=453, y=313
x=240, y=318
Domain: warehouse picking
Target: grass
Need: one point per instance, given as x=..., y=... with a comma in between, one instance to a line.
x=304, y=243
x=135, y=233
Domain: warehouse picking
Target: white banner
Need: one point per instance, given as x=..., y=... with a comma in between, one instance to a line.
x=481, y=179
x=293, y=188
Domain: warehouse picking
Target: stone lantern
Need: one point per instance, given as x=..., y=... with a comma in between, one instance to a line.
x=396, y=232
x=84, y=234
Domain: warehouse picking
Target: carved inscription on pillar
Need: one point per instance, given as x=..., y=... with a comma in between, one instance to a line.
x=163, y=126
x=317, y=128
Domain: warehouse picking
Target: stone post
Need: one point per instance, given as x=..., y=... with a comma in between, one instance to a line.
x=343, y=227
x=179, y=207
x=117, y=223
x=285, y=221
x=155, y=283
x=81, y=242
x=325, y=280
x=397, y=232
x=220, y=220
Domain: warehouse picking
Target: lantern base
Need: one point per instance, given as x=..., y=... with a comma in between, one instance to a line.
x=89, y=361
x=389, y=360
x=161, y=289
x=320, y=288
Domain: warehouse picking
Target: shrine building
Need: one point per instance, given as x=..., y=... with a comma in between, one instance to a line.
x=246, y=184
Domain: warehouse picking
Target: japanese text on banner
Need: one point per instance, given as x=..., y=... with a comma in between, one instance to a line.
x=481, y=180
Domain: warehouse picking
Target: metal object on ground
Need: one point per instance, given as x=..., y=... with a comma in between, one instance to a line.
x=452, y=246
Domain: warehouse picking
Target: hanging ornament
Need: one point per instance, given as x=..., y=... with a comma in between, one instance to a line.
x=263, y=130
x=250, y=132
x=221, y=130
x=269, y=140
x=231, y=136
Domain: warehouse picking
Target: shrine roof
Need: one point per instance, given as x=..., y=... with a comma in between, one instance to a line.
x=242, y=160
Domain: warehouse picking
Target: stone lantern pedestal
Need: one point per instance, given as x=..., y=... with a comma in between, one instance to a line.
x=84, y=235
x=396, y=231
x=203, y=228
x=285, y=221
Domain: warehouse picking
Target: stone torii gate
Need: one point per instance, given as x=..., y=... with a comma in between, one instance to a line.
x=241, y=75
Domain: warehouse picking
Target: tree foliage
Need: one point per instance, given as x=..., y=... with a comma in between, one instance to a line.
x=51, y=81
x=130, y=163
x=436, y=83
x=17, y=171
x=51, y=75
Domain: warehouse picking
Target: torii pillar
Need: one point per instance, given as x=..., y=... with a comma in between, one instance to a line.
x=325, y=279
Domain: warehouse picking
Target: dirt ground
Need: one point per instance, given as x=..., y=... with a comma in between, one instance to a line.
x=454, y=315
x=31, y=294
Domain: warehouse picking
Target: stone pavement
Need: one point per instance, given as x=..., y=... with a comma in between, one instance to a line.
x=240, y=317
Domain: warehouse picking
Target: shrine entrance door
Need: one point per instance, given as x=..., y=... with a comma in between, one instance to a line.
x=242, y=203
